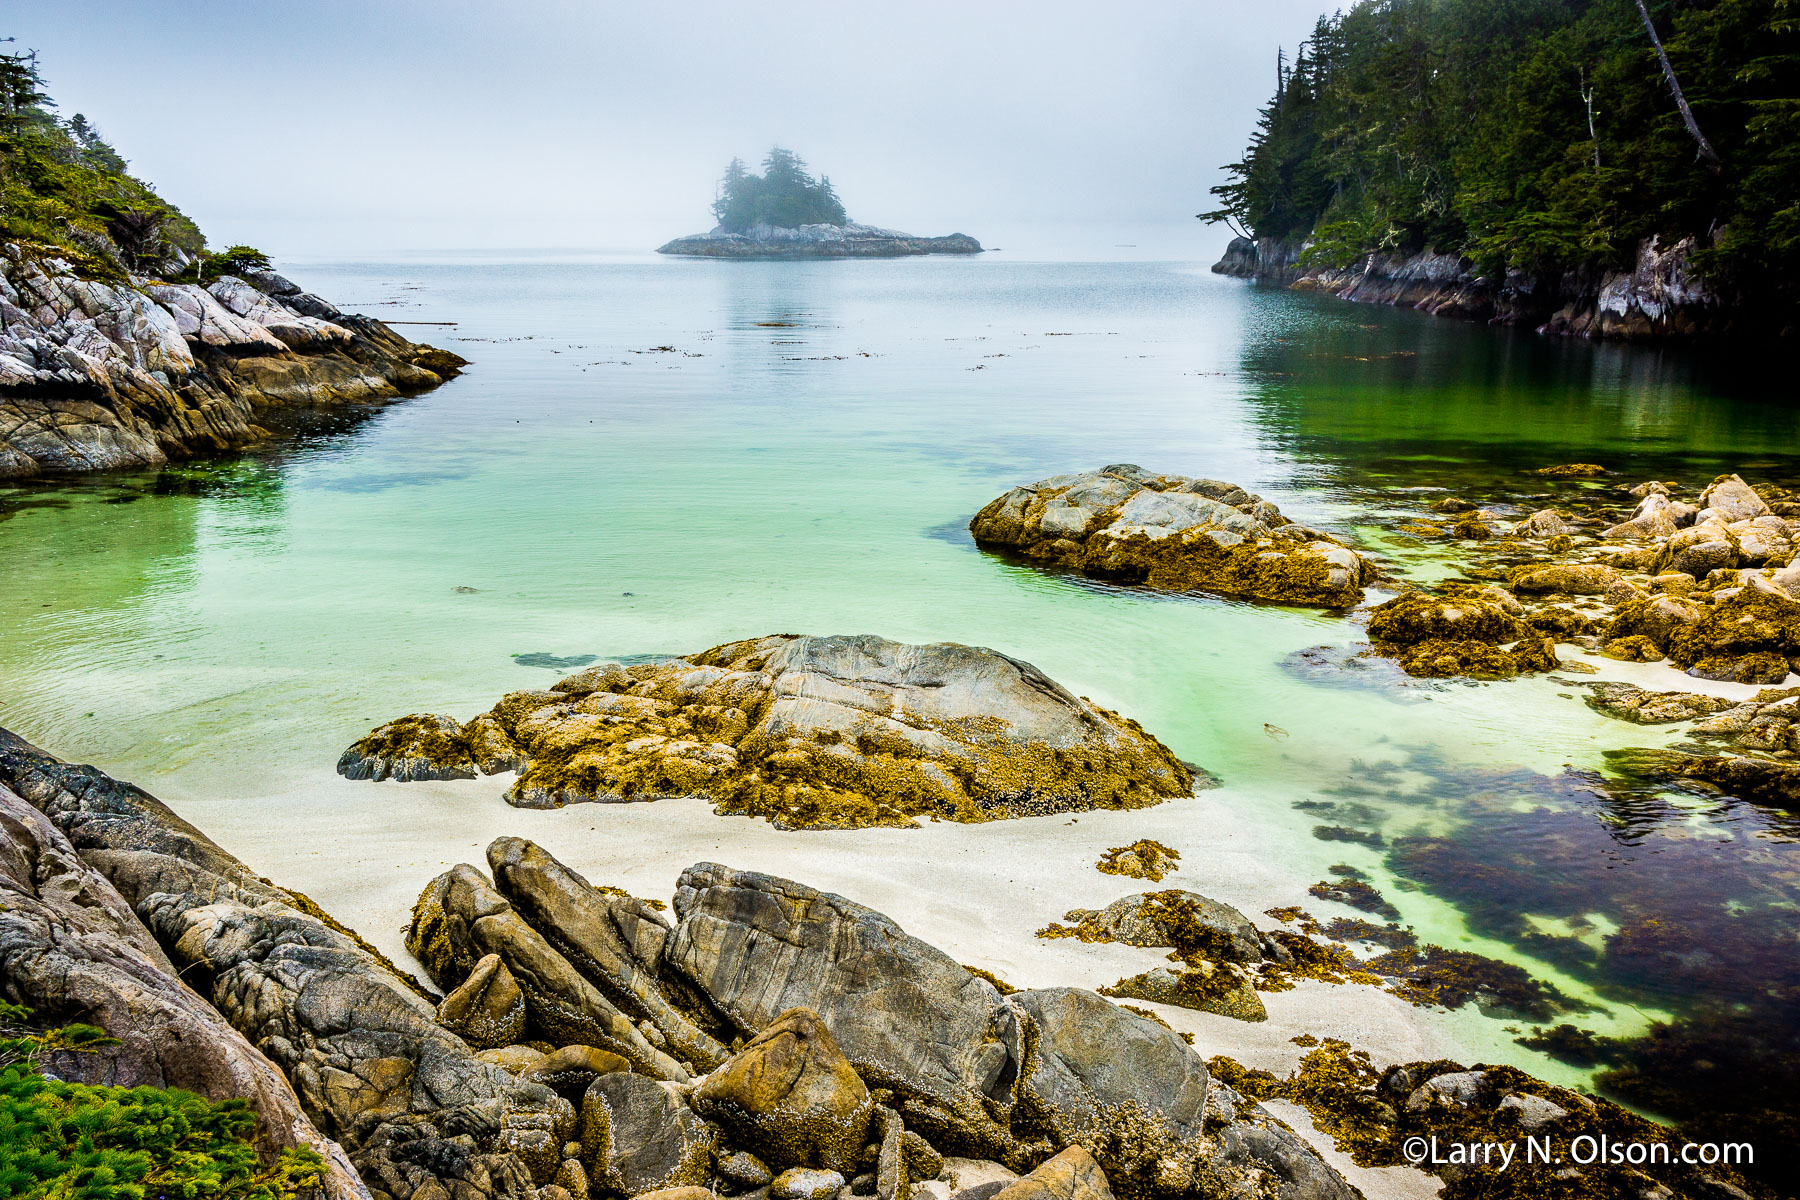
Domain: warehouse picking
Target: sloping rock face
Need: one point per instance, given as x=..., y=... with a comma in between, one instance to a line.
x=417, y=1111
x=71, y=949
x=849, y=240
x=1129, y=525
x=97, y=376
x=1016, y=1078
x=811, y=732
x=1661, y=297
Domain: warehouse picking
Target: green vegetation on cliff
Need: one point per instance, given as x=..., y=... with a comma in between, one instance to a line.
x=63, y=187
x=1538, y=134
x=73, y=1141
x=785, y=194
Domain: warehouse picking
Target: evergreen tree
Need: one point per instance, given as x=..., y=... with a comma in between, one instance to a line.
x=784, y=195
x=1542, y=134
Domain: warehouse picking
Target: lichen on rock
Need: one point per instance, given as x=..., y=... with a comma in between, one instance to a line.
x=810, y=732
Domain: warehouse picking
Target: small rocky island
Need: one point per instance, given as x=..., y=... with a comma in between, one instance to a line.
x=786, y=213
x=811, y=732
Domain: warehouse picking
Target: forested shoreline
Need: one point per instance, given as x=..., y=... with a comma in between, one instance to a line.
x=1542, y=142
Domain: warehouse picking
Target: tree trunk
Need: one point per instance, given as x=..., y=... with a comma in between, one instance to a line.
x=1707, y=153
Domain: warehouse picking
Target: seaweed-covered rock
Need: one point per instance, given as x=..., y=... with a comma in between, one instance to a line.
x=569, y=1070
x=486, y=1010
x=1458, y=634
x=1759, y=618
x=1143, y=859
x=1572, y=579
x=639, y=1136
x=424, y=746
x=815, y=732
x=1170, y=918
x=1413, y=618
x=792, y=1094
x=1225, y=990
x=1170, y=532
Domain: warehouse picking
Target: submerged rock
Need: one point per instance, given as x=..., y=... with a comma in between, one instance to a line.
x=811, y=732
x=1126, y=524
x=1473, y=633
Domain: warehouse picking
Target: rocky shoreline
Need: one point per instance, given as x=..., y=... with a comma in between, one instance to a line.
x=849, y=240
x=1661, y=298
x=99, y=375
x=760, y=1040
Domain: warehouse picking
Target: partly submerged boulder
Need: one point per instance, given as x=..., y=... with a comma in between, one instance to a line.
x=1475, y=633
x=1129, y=525
x=812, y=732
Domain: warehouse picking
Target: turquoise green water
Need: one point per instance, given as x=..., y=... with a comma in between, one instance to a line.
x=806, y=458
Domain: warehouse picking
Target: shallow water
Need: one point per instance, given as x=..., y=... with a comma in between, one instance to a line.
x=654, y=456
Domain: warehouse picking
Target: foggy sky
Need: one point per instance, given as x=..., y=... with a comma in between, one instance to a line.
x=312, y=127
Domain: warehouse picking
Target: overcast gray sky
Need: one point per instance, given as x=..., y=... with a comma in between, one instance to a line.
x=315, y=127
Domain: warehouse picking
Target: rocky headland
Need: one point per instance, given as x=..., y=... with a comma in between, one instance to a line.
x=1662, y=297
x=822, y=240
x=1131, y=526
x=135, y=372
x=759, y=1040
x=810, y=732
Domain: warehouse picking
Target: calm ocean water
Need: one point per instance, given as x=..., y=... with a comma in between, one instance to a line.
x=653, y=456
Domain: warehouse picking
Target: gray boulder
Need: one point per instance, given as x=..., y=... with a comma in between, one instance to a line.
x=1109, y=1079
x=459, y=918
x=639, y=1136
x=602, y=936
x=908, y=1017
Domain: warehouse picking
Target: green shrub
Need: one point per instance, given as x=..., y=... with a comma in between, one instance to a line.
x=75, y=1141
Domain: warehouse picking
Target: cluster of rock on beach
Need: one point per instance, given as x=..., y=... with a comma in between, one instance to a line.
x=761, y=1040
x=1708, y=585
x=97, y=375
x=812, y=732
